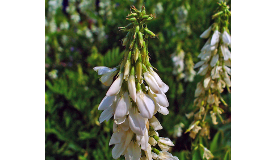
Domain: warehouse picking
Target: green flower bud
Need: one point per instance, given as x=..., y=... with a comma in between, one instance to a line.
x=132, y=19
x=139, y=70
x=136, y=52
x=127, y=69
x=140, y=38
x=149, y=32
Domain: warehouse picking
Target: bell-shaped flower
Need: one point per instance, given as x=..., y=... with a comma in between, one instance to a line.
x=215, y=38
x=133, y=151
x=214, y=60
x=164, y=87
x=136, y=122
x=206, y=33
x=160, y=99
x=132, y=87
x=165, y=143
x=226, y=38
x=150, y=80
x=122, y=108
x=145, y=105
x=115, y=87
x=155, y=123
x=164, y=155
x=107, y=74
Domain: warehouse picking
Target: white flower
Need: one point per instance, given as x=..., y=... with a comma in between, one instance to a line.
x=136, y=122
x=215, y=38
x=199, y=90
x=206, y=33
x=108, y=105
x=207, y=154
x=164, y=87
x=132, y=87
x=226, y=53
x=133, y=151
x=150, y=80
x=226, y=38
x=125, y=139
x=164, y=155
x=159, y=100
x=145, y=105
x=122, y=108
x=214, y=60
x=215, y=73
x=107, y=74
x=155, y=123
x=200, y=63
x=165, y=143
x=106, y=102
x=206, y=82
x=204, y=68
x=115, y=87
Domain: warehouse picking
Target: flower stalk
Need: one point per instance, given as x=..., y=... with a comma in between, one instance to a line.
x=215, y=68
x=135, y=96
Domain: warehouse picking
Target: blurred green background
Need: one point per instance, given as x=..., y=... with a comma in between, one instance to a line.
x=82, y=34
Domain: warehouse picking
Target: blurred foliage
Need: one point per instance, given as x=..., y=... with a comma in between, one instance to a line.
x=82, y=34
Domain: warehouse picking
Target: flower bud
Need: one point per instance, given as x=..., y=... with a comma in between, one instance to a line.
x=127, y=69
x=136, y=52
x=139, y=70
x=149, y=32
x=140, y=38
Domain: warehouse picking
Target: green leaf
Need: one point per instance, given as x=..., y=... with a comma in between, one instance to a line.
x=214, y=145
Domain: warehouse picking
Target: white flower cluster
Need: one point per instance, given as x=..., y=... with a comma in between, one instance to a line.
x=178, y=63
x=211, y=54
x=133, y=107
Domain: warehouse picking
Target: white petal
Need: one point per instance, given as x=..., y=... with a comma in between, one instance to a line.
x=132, y=87
x=106, y=114
x=226, y=53
x=200, y=63
x=118, y=150
x=164, y=88
x=215, y=38
x=143, y=140
x=226, y=38
x=162, y=110
x=227, y=69
x=150, y=80
x=101, y=69
x=166, y=141
x=116, y=138
x=115, y=87
x=227, y=79
x=136, y=122
x=148, y=152
x=122, y=107
x=214, y=60
x=203, y=69
x=145, y=105
x=155, y=123
x=107, y=78
x=133, y=151
x=106, y=102
x=206, y=33
x=162, y=100
x=206, y=82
